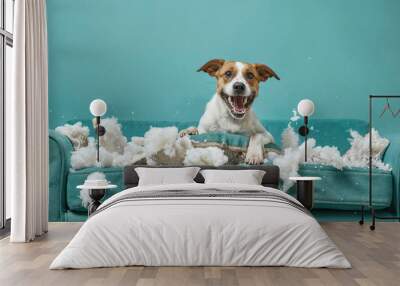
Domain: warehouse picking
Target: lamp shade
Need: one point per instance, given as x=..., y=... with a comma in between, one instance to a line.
x=98, y=107
x=305, y=107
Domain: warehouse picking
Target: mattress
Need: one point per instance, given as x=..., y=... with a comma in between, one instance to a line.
x=201, y=225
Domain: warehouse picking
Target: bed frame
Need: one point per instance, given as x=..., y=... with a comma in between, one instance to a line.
x=271, y=177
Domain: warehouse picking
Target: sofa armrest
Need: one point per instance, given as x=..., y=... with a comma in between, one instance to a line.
x=392, y=157
x=60, y=148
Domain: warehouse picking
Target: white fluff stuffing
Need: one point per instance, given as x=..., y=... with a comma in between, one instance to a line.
x=113, y=140
x=323, y=155
x=77, y=133
x=288, y=164
x=358, y=154
x=326, y=155
x=86, y=157
x=290, y=138
x=160, y=139
x=210, y=156
x=84, y=193
x=295, y=116
x=164, y=146
x=114, y=149
x=133, y=152
x=159, y=146
x=292, y=157
x=138, y=140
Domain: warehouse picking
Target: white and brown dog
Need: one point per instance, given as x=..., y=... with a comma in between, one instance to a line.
x=230, y=108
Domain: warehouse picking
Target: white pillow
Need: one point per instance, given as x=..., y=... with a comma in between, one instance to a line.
x=248, y=177
x=165, y=176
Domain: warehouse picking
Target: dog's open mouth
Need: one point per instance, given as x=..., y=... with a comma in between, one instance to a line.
x=238, y=104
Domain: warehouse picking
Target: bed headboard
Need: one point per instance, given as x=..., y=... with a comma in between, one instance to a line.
x=271, y=177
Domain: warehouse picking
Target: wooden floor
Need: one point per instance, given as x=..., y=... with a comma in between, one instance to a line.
x=375, y=257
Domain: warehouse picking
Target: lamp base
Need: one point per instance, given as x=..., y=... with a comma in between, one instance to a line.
x=96, y=195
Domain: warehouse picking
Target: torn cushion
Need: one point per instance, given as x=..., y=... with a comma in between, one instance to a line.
x=233, y=145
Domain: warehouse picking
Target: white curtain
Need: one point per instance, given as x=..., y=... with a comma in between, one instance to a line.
x=27, y=124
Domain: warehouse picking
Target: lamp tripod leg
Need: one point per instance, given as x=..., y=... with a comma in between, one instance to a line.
x=372, y=226
x=361, y=222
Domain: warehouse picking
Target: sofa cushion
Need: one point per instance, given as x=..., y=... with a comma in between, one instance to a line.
x=347, y=189
x=233, y=145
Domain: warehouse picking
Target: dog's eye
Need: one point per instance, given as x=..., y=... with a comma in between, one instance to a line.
x=228, y=73
x=250, y=75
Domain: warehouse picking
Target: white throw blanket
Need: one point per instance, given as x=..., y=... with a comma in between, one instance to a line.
x=134, y=228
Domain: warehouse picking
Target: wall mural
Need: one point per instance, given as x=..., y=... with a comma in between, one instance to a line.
x=240, y=111
x=228, y=132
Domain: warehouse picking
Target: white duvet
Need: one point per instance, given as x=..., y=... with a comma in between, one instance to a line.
x=200, y=231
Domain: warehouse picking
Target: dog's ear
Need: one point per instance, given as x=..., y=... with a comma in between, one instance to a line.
x=211, y=67
x=265, y=72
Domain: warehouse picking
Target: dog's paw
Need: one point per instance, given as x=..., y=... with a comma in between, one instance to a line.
x=254, y=160
x=255, y=150
x=254, y=157
x=188, y=131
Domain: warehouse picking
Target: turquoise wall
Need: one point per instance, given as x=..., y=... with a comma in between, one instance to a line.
x=141, y=56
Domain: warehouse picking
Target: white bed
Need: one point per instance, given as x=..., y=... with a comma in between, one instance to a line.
x=267, y=229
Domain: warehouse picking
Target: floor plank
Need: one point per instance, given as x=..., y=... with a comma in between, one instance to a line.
x=375, y=257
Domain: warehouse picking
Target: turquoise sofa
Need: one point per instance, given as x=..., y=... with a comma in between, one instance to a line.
x=339, y=190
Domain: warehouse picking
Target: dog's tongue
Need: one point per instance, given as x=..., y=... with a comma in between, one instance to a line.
x=238, y=101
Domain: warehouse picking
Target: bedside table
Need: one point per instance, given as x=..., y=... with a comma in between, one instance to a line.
x=305, y=190
x=96, y=193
